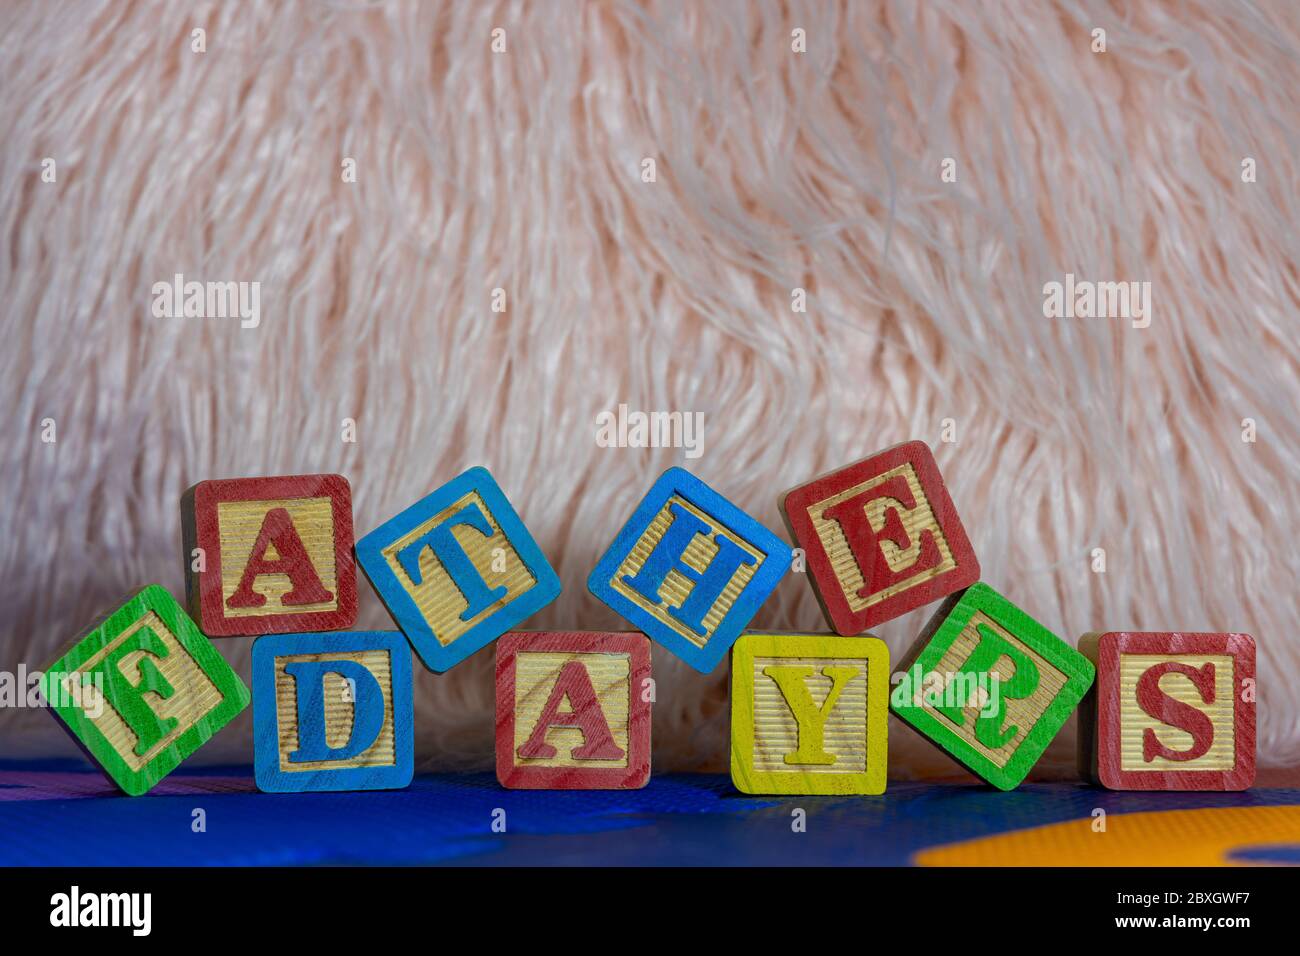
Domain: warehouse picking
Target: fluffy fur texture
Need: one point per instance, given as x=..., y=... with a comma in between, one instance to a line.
x=775, y=170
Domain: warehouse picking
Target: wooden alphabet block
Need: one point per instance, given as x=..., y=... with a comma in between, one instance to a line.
x=1170, y=711
x=142, y=690
x=333, y=712
x=809, y=714
x=690, y=569
x=990, y=685
x=881, y=537
x=573, y=710
x=274, y=554
x=457, y=569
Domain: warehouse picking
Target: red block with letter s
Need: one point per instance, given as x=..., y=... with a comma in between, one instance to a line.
x=1169, y=711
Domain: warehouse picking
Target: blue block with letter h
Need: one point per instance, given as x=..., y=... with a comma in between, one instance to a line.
x=690, y=569
x=333, y=711
x=457, y=569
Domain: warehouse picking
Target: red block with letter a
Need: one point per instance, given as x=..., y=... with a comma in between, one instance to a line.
x=1169, y=711
x=270, y=555
x=573, y=710
x=881, y=537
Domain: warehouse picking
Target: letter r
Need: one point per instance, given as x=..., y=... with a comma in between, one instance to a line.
x=992, y=647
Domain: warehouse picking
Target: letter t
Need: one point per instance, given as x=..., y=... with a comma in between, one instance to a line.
x=478, y=596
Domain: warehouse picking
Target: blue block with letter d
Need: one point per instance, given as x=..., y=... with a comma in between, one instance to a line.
x=333, y=711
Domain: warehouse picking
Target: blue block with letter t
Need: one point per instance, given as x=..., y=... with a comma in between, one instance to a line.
x=333, y=711
x=457, y=569
x=690, y=569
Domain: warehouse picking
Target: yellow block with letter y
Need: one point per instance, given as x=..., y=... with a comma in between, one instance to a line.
x=809, y=714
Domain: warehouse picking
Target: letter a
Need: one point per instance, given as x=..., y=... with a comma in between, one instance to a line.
x=291, y=560
x=585, y=714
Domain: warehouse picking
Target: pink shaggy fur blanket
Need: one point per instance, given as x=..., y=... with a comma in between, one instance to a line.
x=461, y=246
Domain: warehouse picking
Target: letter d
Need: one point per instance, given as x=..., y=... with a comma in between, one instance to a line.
x=367, y=709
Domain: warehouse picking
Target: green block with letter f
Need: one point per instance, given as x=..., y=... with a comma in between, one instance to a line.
x=143, y=690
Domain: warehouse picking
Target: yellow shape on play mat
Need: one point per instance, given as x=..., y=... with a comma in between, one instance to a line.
x=1203, y=837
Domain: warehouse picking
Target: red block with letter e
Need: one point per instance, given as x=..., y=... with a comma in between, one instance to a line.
x=270, y=555
x=573, y=710
x=881, y=537
x=1170, y=711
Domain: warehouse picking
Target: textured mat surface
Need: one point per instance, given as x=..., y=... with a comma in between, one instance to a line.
x=60, y=812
